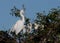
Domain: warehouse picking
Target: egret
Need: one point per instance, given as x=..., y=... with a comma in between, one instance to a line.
x=19, y=24
x=36, y=26
x=29, y=25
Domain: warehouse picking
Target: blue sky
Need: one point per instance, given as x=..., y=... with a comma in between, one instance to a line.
x=32, y=7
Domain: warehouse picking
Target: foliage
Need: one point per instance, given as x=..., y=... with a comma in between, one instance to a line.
x=50, y=32
x=15, y=12
x=5, y=38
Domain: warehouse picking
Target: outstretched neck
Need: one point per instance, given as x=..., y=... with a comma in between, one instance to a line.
x=22, y=18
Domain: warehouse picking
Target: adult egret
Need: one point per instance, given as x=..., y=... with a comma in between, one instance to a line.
x=19, y=24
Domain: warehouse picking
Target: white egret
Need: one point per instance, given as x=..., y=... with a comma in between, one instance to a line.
x=19, y=24
x=36, y=26
x=29, y=25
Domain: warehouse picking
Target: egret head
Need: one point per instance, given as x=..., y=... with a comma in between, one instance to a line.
x=22, y=11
